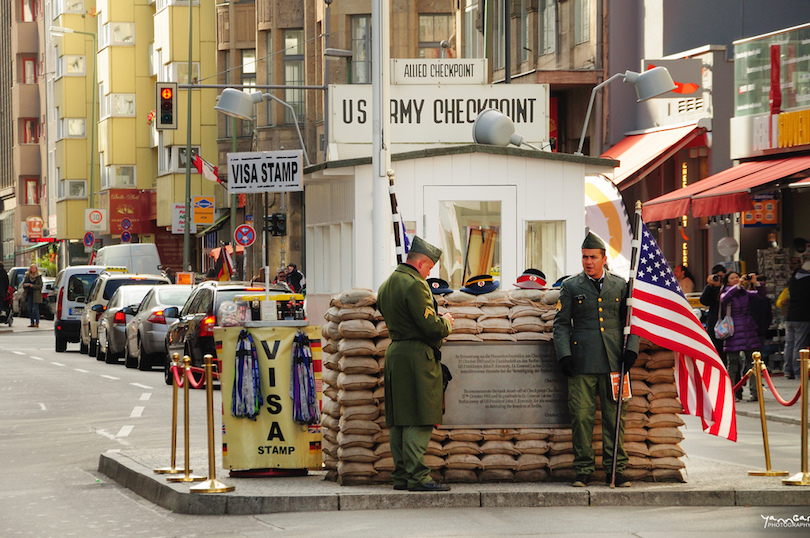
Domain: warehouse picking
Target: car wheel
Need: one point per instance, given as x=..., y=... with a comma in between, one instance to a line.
x=109, y=356
x=92, y=349
x=61, y=345
x=144, y=359
x=82, y=348
x=129, y=361
x=167, y=370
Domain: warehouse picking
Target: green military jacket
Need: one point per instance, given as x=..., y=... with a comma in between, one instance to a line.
x=413, y=374
x=589, y=325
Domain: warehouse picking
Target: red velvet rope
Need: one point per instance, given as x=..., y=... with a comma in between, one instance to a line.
x=193, y=383
x=776, y=394
x=742, y=381
x=178, y=378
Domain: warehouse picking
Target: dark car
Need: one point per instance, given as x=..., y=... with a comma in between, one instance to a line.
x=146, y=332
x=113, y=321
x=193, y=332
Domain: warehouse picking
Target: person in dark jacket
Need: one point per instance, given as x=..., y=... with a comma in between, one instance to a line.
x=3, y=286
x=711, y=298
x=296, y=279
x=736, y=297
x=32, y=283
x=797, y=319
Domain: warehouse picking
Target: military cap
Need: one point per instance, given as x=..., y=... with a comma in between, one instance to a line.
x=531, y=279
x=478, y=285
x=592, y=241
x=420, y=246
x=439, y=286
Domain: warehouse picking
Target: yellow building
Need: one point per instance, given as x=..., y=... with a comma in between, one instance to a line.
x=139, y=172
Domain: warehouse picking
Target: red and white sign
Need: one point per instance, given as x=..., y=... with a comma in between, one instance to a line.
x=95, y=220
x=34, y=228
x=245, y=235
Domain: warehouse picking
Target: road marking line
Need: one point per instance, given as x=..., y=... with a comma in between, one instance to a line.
x=37, y=358
x=82, y=371
x=106, y=434
x=147, y=387
x=137, y=411
x=18, y=352
x=57, y=363
x=42, y=406
x=145, y=396
x=110, y=377
x=124, y=431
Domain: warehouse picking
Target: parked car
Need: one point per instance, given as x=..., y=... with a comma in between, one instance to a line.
x=146, y=332
x=192, y=334
x=67, y=300
x=99, y=295
x=19, y=301
x=16, y=275
x=113, y=321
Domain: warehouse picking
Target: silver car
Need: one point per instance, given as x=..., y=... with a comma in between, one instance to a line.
x=113, y=321
x=146, y=332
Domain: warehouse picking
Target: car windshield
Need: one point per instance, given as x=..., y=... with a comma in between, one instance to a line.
x=79, y=286
x=171, y=296
x=132, y=295
x=114, y=284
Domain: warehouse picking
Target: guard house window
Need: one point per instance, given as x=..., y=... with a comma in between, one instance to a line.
x=31, y=191
x=361, y=49
x=545, y=248
x=294, y=73
x=29, y=133
x=473, y=37
x=499, y=29
x=582, y=21
x=547, y=22
x=433, y=29
x=29, y=70
x=471, y=239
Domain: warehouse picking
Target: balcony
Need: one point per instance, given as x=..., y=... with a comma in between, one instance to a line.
x=24, y=38
x=25, y=100
x=27, y=160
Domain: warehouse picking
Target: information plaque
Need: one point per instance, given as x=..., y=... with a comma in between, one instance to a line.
x=504, y=385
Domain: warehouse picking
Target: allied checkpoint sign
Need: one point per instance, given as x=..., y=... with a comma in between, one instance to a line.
x=431, y=114
x=504, y=385
x=265, y=171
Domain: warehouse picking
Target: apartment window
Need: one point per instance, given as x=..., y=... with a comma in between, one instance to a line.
x=361, y=49
x=118, y=176
x=547, y=22
x=73, y=65
x=30, y=10
x=248, y=68
x=473, y=37
x=103, y=105
x=433, y=29
x=294, y=73
x=117, y=33
x=582, y=22
x=30, y=131
x=178, y=72
x=73, y=188
x=525, y=47
x=121, y=105
x=29, y=70
x=172, y=159
x=499, y=29
x=31, y=192
x=71, y=128
x=67, y=6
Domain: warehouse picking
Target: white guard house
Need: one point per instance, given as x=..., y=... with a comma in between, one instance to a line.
x=492, y=210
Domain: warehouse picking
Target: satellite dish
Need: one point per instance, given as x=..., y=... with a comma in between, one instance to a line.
x=727, y=246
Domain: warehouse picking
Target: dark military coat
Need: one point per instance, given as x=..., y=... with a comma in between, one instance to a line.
x=589, y=324
x=413, y=374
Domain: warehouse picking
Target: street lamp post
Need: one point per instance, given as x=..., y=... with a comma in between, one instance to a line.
x=60, y=31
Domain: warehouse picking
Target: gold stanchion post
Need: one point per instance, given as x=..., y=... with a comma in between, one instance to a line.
x=173, y=468
x=759, y=365
x=212, y=485
x=188, y=477
x=802, y=478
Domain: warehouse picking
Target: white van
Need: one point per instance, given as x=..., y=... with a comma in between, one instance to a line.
x=138, y=258
x=67, y=301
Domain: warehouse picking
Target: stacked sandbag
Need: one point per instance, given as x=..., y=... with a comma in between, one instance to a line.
x=356, y=447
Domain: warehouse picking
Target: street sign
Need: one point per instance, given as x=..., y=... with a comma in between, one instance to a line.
x=126, y=237
x=126, y=224
x=89, y=239
x=34, y=228
x=245, y=235
x=203, y=210
x=265, y=171
x=95, y=220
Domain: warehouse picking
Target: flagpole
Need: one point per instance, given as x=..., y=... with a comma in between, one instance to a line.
x=636, y=244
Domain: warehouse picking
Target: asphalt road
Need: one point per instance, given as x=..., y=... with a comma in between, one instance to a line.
x=59, y=411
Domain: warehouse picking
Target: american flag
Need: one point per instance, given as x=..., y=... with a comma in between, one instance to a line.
x=661, y=313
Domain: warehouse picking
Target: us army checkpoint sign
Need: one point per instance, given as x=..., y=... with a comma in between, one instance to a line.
x=265, y=171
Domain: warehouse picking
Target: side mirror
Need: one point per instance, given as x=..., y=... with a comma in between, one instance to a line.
x=171, y=312
x=130, y=310
x=98, y=308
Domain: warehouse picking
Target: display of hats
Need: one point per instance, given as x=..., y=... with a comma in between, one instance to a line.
x=531, y=279
x=559, y=281
x=478, y=285
x=439, y=286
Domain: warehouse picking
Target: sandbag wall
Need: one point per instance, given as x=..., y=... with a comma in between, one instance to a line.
x=355, y=440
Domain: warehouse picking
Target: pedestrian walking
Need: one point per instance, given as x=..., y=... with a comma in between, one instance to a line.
x=32, y=284
x=413, y=373
x=588, y=339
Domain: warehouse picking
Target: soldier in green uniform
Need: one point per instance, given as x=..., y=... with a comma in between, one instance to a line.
x=413, y=374
x=588, y=338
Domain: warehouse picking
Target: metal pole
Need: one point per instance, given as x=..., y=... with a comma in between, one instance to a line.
x=507, y=25
x=590, y=107
x=325, y=84
x=758, y=366
x=186, y=230
x=380, y=153
x=187, y=477
x=172, y=469
x=802, y=478
x=234, y=203
x=93, y=143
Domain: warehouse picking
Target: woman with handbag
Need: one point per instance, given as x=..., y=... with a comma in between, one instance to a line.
x=32, y=283
x=735, y=302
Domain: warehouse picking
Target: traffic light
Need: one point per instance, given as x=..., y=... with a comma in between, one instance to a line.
x=166, y=105
x=276, y=224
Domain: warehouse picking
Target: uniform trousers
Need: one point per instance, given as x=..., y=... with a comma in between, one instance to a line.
x=408, y=447
x=583, y=389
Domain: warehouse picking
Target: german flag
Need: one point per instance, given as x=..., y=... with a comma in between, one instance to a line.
x=224, y=266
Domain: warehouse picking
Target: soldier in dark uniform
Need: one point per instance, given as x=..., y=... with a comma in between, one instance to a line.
x=588, y=338
x=413, y=374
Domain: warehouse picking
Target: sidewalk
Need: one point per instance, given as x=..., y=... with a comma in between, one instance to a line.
x=774, y=411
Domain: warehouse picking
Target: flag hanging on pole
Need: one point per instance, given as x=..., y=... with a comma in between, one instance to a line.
x=661, y=313
x=224, y=266
x=208, y=170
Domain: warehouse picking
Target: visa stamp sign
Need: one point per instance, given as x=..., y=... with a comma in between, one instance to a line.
x=265, y=171
x=429, y=114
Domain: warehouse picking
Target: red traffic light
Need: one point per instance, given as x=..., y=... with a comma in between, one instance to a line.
x=166, y=93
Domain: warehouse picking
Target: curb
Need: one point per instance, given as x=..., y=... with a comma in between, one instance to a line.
x=177, y=498
x=772, y=417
